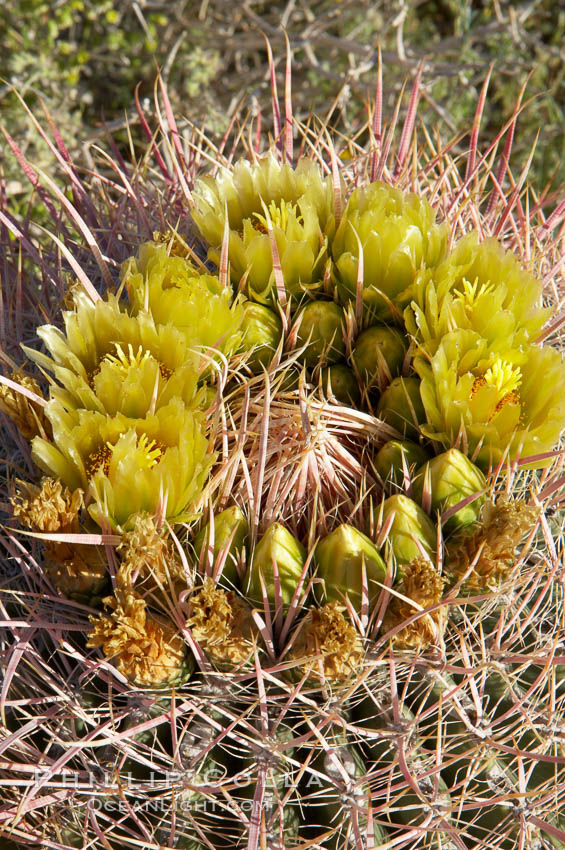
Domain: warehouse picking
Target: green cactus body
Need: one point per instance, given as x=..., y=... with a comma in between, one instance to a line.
x=340, y=558
x=378, y=355
x=277, y=546
x=262, y=332
x=321, y=330
x=395, y=456
x=337, y=793
x=278, y=777
x=452, y=477
x=338, y=380
x=412, y=533
x=406, y=808
x=400, y=406
x=230, y=524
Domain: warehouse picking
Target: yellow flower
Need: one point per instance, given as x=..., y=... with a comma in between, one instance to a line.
x=158, y=464
x=114, y=363
x=398, y=235
x=175, y=293
x=296, y=203
x=478, y=287
x=491, y=402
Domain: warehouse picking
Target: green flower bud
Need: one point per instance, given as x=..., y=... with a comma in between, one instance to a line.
x=339, y=381
x=451, y=478
x=340, y=558
x=400, y=406
x=378, y=355
x=229, y=524
x=395, y=455
x=412, y=532
x=262, y=331
x=277, y=546
x=321, y=327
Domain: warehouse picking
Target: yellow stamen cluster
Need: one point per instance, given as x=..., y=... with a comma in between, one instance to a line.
x=278, y=215
x=471, y=292
x=99, y=460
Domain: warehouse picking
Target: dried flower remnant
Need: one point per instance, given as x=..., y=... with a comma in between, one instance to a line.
x=50, y=507
x=422, y=584
x=78, y=571
x=27, y=416
x=149, y=558
x=151, y=653
x=327, y=645
x=490, y=546
x=222, y=623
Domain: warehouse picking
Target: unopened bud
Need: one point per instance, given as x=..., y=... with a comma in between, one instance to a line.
x=378, y=355
x=400, y=406
x=341, y=558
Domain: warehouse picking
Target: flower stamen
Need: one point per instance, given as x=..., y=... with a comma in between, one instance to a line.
x=505, y=379
x=279, y=215
x=99, y=459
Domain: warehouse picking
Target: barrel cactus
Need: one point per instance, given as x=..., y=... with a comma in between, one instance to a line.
x=284, y=505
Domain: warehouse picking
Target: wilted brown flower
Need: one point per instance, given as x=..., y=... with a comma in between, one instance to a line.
x=149, y=652
x=77, y=570
x=148, y=556
x=491, y=547
x=26, y=415
x=50, y=507
x=422, y=584
x=327, y=646
x=222, y=624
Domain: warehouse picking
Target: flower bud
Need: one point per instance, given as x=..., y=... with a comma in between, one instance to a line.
x=321, y=329
x=340, y=558
x=451, y=477
x=277, y=546
x=230, y=530
x=395, y=456
x=378, y=355
x=338, y=380
x=400, y=406
x=261, y=329
x=412, y=533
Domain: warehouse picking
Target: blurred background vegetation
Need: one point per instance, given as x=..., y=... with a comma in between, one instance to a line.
x=85, y=58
